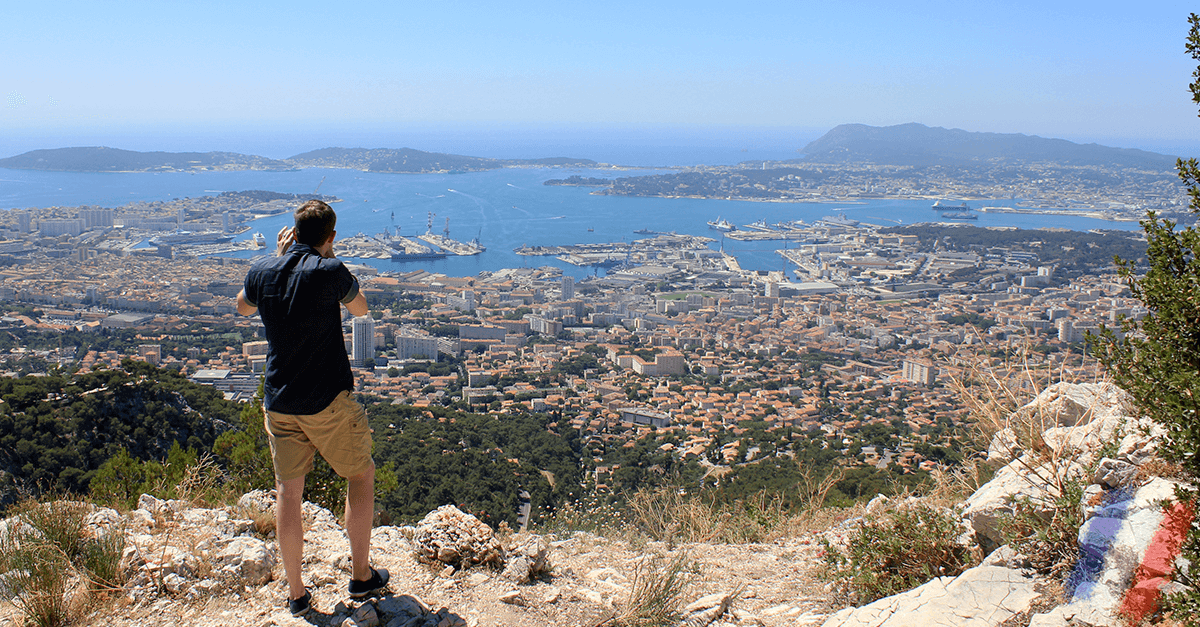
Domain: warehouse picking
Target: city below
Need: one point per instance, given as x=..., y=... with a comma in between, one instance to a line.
x=676, y=337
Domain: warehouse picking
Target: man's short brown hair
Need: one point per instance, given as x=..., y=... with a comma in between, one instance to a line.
x=314, y=223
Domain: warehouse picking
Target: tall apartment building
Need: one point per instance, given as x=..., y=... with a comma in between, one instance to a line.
x=362, y=335
x=919, y=372
x=410, y=345
x=568, y=287
x=258, y=347
x=466, y=302
x=95, y=217
x=151, y=353
x=54, y=228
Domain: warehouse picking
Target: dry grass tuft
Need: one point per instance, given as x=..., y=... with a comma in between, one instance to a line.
x=53, y=565
x=656, y=593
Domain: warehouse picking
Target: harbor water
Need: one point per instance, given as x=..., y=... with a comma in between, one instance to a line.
x=504, y=209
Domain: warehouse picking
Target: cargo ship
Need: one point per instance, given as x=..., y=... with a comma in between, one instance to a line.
x=960, y=215
x=188, y=237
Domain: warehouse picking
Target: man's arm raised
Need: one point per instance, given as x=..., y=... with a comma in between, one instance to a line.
x=358, y=306
x=246, y=309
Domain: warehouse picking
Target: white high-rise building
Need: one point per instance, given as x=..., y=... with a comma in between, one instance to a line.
x=568, y=287
x=410, y=345
x=95, y=217
x=363, y=340
x=921, y=372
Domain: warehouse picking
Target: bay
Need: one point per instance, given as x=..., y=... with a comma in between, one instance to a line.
x=504, y=208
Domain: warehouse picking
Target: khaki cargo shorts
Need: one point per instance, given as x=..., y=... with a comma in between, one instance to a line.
x=339, y=432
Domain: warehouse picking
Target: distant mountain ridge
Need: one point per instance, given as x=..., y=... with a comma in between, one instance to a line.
x=919, y=145
x=104, y=159
x=403, y=160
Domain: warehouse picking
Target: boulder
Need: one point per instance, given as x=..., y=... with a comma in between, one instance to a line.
x=1140, y=442
x=1114, y=473
x=248, y=559
x=706, y=609
x=1004, y=447
x=984, y=596
x=403, y=606
x=527, y=560
x=1023, y=478
x=1072, y=404
x=449, y=536
x=258, y=501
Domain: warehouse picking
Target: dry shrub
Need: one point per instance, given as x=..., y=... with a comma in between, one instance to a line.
x=670, y=515
x=52, y=564
x=590, y=514
x=951, y=485
x=993, y=392
x=1158, y=467
x=264, y=519
x=203, y=483
x=656, y=593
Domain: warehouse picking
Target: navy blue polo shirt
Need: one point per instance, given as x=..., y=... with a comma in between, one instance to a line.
x=299, y=296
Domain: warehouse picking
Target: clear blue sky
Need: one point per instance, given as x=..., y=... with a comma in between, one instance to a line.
x=209, y=73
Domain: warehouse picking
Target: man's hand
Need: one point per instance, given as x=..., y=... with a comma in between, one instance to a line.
x=283, y=241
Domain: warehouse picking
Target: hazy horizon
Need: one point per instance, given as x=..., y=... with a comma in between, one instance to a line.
x=281, y=77
x=649, y=145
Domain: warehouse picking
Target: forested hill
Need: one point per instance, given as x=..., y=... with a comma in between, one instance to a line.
x=103, y=159
x=57, y=430
x=919, y=145
x=410, y=161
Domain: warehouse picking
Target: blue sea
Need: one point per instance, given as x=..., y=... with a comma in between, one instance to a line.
x=503, y=208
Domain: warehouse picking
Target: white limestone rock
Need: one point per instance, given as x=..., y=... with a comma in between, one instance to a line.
x=1112, y=542
x=1141, y=439
x=248, y=559
x=1004, y=447
x=403, y=606
x=984, y=596
x=1071, y=404
x=258, y=501
x=1023, y=478
x=527, y=560
x=706, y=609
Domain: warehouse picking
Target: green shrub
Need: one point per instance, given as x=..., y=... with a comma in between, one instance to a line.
x=1049, y=536
x=1157, y=359
x=895, y=551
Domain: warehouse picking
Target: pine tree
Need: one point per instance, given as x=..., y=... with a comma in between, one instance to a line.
x=1157, y=359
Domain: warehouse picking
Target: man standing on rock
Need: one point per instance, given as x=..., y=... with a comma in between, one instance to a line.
x=306, y=392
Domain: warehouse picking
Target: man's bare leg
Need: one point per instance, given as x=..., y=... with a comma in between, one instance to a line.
x=360, y=512
x=289, y=529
